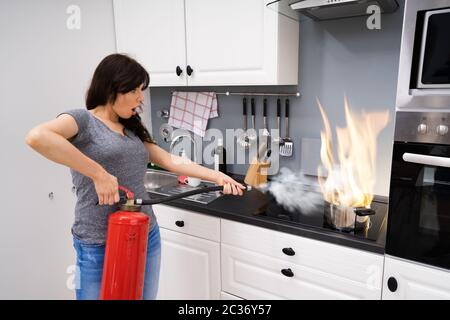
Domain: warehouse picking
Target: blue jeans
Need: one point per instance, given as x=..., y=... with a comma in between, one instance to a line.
x=89, y=268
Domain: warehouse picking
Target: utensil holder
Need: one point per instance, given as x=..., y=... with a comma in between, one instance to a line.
x=256, y=173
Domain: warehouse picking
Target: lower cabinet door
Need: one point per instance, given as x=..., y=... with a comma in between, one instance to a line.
x=190, y=267
x=405, y=280
x=256, y=276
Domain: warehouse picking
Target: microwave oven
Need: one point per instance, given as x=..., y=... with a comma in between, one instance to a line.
x=434, y=55
x=424, y=66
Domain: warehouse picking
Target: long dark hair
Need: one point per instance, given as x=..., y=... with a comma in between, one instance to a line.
x=118, y=73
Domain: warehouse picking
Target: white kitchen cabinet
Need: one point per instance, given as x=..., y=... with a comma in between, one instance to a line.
x=153, y=32
x=404, y=280
x=214, y=42
x=237, y=42
x=190, y=264
x=255, y=266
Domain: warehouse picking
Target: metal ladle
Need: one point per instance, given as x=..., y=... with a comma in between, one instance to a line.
x=252, y=136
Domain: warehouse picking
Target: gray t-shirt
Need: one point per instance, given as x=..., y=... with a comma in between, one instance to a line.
x=124, y=157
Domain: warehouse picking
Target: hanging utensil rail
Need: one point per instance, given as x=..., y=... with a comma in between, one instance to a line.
x=228, y=93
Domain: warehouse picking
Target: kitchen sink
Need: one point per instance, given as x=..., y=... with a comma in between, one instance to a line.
x=166, y=184
x=155, y=179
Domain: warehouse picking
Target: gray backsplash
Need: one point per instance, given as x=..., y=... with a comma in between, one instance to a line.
x=336, y=58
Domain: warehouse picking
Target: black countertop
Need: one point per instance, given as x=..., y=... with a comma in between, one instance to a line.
x=250, y=207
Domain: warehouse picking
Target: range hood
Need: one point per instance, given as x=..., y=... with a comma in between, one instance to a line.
x=329, y=9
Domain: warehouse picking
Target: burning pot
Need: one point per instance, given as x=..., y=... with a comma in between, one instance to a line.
x=347, y=174
x=347, y=219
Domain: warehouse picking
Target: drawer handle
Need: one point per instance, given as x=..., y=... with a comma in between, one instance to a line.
x=189, y=70
x=179, y=71
x=287, y=272
x=179, y=223
x=288, y=251
x=392, y=284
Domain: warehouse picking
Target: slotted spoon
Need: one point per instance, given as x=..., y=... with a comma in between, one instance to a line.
x=287, y=146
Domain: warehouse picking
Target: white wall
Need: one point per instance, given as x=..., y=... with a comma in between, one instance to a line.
x=45, y=68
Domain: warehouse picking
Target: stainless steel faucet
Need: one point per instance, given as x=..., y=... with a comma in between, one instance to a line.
x=175, y=140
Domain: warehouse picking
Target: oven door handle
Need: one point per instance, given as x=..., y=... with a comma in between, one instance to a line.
x=428, y=160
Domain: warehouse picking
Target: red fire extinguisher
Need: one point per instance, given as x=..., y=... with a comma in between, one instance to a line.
x=126, y=245
x=125, y=252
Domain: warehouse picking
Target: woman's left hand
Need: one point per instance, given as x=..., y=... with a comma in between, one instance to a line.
x=230, y=186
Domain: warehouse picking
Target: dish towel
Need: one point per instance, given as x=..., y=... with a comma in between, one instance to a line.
x=192, y=110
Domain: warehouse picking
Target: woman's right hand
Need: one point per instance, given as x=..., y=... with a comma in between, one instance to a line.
x=107, y=188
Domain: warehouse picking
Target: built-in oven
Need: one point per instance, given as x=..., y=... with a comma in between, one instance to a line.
x=419, y=197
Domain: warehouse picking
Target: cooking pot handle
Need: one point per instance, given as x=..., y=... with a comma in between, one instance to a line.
x=362, y=212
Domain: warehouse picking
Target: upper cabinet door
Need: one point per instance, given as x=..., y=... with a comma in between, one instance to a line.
x=237, y=42
x=209, y=42
x=153, y=32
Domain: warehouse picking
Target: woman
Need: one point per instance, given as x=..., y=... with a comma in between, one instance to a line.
x=106, y=146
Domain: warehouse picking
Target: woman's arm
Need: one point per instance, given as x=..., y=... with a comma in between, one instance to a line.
x=50, y=140
x=182, y=166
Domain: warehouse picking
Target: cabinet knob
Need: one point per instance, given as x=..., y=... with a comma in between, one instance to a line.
x=189, y=70
x=287, y=272
x=288, y=251
x=179, y=223
x=392, y=284
x=179, y=71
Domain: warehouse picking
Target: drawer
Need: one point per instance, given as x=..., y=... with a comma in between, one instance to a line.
x=353, y=264
x=188, y=222
x=256, y=276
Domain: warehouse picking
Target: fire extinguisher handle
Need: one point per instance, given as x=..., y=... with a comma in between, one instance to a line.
x=129, y=194
x=122, y=200
x=124, y=195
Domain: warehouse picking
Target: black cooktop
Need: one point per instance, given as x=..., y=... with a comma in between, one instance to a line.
x=316, y=219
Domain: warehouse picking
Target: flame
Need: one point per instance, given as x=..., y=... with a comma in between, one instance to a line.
x=350, y=181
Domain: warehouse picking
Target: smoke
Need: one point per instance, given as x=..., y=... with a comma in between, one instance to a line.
x=294, y=192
